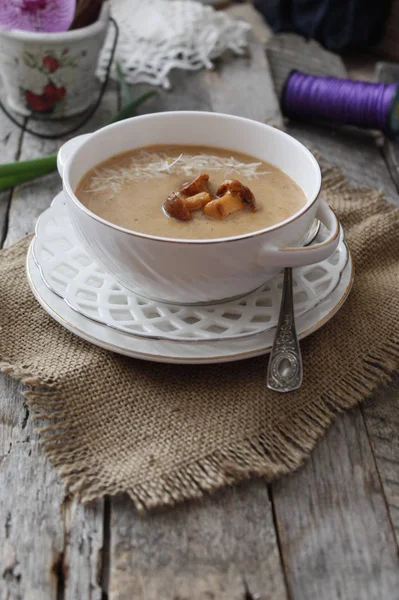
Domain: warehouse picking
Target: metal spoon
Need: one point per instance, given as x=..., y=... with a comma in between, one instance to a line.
x=285, y=371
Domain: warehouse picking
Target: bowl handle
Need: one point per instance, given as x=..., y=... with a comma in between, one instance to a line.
x=66, y=150
x=301, y=256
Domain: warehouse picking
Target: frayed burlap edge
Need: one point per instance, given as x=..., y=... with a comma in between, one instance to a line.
x=293, y=440
x=291, y=443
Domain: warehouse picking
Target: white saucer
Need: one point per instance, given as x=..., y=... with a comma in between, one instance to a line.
x=72, y=274
x=179, y=352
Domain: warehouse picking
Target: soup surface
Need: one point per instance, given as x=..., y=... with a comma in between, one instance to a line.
x=130, y=189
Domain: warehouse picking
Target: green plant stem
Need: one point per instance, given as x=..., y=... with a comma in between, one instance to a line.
x=12, y=174
x=45, y=165
x=8, y=181
x=125, y=90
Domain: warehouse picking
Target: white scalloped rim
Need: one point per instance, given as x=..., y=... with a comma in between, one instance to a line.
x=74, y=276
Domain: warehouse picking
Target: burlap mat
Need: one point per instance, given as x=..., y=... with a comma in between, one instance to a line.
x=167, y=433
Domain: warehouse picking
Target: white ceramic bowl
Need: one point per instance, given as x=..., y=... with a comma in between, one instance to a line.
x=192, y=271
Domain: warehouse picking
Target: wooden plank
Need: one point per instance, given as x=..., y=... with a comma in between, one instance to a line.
x=380, y=413
x=10, y=142
x=389, y=73
x=355, y=152
x=382, y=421
x=30, y=511
x=334, y=529
x=223, y=548
x=12, y=416
x=51, y=546
x=243, y=86
x=333, y=524
x=187, y=92
x=83, y=560
x=54, y=545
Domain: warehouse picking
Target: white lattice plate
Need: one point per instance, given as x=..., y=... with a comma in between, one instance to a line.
x=174, y=352
x=72, y=274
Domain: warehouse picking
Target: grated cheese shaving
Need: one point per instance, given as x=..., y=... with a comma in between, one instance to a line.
x=145, y=166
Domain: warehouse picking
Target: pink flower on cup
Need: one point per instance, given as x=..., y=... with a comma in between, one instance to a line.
x=50, y=63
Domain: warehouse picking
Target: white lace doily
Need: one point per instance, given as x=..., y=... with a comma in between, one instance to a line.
x=158, y=35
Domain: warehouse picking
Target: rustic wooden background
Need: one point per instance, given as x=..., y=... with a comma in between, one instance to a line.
x=329, y=531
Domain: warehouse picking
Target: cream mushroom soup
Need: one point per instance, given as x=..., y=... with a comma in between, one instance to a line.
x=189, y=192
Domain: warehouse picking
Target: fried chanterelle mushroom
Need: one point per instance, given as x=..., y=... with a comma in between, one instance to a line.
x=232, y=196
x=175, y=206
x=197, y=185
x=192, y=196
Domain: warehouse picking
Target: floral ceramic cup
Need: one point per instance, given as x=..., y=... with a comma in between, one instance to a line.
x=52, y=75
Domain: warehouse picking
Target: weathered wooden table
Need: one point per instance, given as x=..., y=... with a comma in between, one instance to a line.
x=329, y=532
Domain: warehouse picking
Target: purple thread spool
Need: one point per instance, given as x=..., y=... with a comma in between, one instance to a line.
x=343, y=101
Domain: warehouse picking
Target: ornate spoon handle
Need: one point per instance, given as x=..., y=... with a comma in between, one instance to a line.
x=285, y=364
